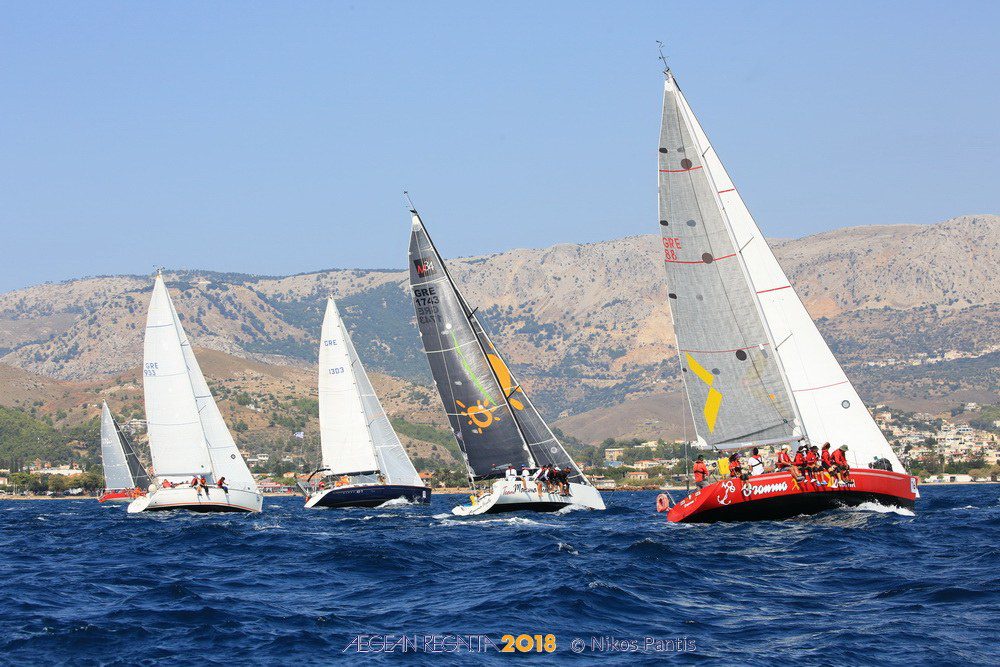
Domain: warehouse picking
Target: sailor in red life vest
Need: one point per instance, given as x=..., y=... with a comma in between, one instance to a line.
x=784, y=463
x=735, y=467
x=812, y=465
x=840, y=467
x=700, y=471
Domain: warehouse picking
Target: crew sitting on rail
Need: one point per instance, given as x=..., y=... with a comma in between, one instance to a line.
x=809, y=460
x=541, y=478
x=756, y=463
x=525, y=476
x=841, y=468
x=784, y=462
x=221, y=483
x=700, y=471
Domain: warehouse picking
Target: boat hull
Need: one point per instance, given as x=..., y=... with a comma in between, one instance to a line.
x=117, y=496
x=371, y=495
x=775, y=496
x=511, y=497
x=186, y=498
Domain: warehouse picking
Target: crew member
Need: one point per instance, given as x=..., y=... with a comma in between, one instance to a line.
x=525, y=476
x=784, y=462
x=221, y=483
x=700, y=471
x=756, y=463
x=840, y=467
x=735, y=467
x=811, y=459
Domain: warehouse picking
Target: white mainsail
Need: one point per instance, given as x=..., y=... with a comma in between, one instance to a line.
x=176, y=438
x=227, y=461
x=345, y=439
x=824, y=405
x=116, y=470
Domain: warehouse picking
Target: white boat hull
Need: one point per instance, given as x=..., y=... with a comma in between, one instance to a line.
x=508, y=496
x=186, y=498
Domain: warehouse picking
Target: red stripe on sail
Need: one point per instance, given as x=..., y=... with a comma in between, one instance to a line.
x=736, y=349
x=675, y=171
x=722, y=192
x=700, y=261
x=773, y=289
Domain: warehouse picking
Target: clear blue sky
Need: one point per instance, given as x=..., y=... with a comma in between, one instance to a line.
x=277, y=137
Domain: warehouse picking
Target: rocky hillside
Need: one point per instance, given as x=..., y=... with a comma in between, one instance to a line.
x=586, y=326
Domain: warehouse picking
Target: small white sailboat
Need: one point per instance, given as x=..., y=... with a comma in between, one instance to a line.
x=493, y=420
x=124, y=476
x=188, y=438
x=364, y=463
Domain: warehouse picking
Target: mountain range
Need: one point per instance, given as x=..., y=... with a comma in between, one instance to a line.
x=910, y=310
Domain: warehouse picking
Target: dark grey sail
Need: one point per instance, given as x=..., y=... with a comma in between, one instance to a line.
x=731, y=373
x=477, y=409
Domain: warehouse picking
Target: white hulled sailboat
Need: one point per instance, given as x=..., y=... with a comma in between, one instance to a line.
x=187, y=435
x=493, y=420
x=755, y=367
x=364, y=463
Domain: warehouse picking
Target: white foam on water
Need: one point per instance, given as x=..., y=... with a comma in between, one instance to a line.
x=571, y=508
x=882, y=509
x=443, y=515
x=508, y=521
x=568, y=547
x=396, y=502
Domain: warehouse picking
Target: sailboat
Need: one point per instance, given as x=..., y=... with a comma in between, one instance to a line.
x=493, y=420
x=187, y=435
x=124, y=476
x=364, y=463
x=756, y=370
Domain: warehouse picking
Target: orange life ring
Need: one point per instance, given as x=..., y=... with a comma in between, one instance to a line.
x=662, y=502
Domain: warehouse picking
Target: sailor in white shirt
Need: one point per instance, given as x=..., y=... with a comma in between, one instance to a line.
x=525, y=476
x=511, y=473
x=756, y=463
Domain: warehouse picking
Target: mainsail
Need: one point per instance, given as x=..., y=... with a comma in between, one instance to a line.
x=227, y=461
x=122, y=468
x=355, y=433
x=754, y=364
x=176, y=438
x=490, y=414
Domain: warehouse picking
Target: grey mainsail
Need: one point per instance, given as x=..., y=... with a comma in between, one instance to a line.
x=733, y=380
x=490, y=414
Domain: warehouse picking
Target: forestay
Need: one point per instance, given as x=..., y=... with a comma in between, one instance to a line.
x=717, y=261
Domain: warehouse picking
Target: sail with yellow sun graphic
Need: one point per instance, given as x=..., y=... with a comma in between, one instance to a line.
x=491, y=416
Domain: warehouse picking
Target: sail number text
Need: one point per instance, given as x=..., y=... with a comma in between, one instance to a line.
x=149, y=368
x=671, y=244
x=426, y=300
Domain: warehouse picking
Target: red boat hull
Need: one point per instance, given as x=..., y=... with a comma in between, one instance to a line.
x=777, y=496
x=120, y=495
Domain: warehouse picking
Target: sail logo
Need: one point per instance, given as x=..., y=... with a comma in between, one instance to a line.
x=506, y=380
x=714, y=399
x=424, y=267
x=479, y=414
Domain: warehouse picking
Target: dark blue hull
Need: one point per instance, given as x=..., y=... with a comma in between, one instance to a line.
x=373, y=496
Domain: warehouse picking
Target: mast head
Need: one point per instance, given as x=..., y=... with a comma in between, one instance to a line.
x=409, y=202
x=663, y=58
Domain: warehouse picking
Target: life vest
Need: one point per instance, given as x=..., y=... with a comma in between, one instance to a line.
x=784, y=459
x=839, y=459
x=700, y=471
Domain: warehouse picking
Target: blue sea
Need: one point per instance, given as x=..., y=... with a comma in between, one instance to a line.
x=85, y=584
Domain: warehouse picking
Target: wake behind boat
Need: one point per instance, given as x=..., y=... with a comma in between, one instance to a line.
x=364, y=463
x=494, y=422
x=196, y=462
x=755, y=368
